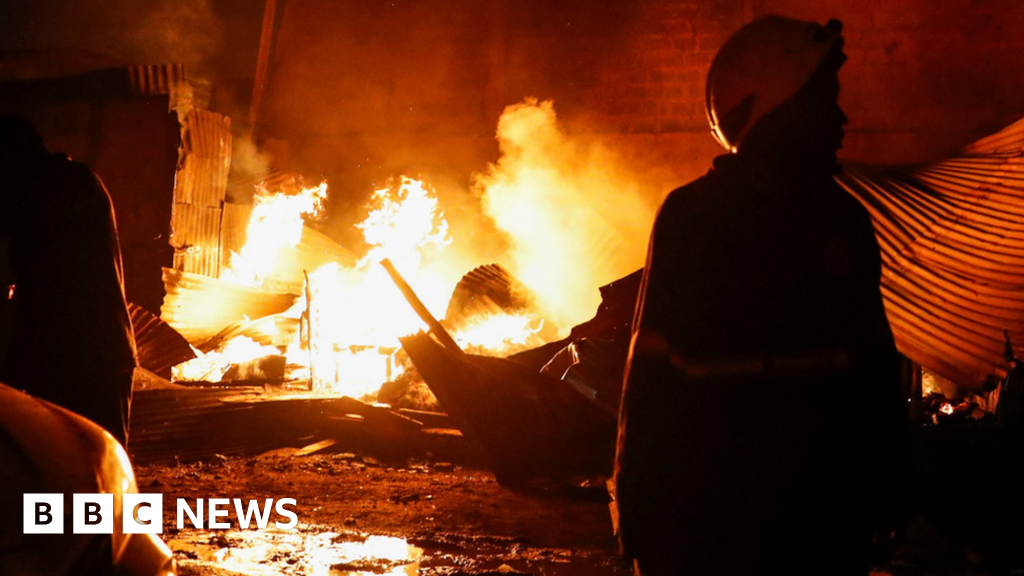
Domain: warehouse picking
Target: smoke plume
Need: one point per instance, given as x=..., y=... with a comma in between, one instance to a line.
x=574, y=216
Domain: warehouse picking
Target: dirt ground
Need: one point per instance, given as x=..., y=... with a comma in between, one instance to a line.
x=360, y=516
x=444, y=519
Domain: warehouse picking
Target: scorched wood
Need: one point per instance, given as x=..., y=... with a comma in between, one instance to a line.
x=531, y=425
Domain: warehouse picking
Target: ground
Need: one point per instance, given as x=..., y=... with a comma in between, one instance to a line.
x=360, y=516
x=456, y=521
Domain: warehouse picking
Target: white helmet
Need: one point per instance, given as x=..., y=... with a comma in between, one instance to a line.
x=760, y=67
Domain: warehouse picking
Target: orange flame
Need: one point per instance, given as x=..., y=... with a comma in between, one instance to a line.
x=501, y=332
x=212, y=366
x=574, y=216
x=276, y=223
x=355, y=315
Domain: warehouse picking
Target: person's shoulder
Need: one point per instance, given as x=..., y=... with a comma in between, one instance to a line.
x=689, y=198
x=64, y=166
x=75, y=178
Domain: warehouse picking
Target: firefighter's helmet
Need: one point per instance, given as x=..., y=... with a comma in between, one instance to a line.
x=760, y=67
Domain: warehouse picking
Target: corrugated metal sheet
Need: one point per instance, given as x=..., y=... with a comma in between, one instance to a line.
x=313, y=251
x=199, y=307
x=199, y=189
x=232, y=230
x=206, y=141
x=245, y=186
x=529, y=428
x=273, y=330
x=188, y=424
x=208, y=135
x=201, y=181
x=485, y=290
x=952, y=240
x=195, y=235
x=159, y=346
x=191, y=225
x=154, y=79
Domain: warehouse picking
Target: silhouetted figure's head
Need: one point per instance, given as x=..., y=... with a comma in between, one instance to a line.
x=22, y=152
x=773, y=90
x=21, y=146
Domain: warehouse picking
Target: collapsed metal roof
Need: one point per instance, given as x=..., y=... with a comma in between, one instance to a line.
x=199, y=307
x=952, y=240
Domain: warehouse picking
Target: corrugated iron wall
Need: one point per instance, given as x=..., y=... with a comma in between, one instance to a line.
x=199, y=190
x=152, y=79
x=314, y=250
x=233, y=227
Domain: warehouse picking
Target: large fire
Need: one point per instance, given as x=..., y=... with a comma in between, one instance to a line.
x=276, y=222
x=351, y=317
x=575, y=215
x=562, y=216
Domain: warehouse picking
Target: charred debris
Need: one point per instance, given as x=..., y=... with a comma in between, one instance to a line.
x=548, y=411
x=544, y=414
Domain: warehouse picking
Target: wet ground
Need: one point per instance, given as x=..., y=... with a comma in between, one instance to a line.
x=358, y=516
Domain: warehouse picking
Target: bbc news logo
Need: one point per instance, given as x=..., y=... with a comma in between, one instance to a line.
x=93, y=514
x=143, y=513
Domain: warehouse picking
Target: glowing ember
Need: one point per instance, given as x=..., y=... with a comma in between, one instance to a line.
x=946, y=408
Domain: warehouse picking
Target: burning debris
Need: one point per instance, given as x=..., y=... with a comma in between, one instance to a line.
x=940, y=410
x=291, y=307
x=337, y=323
x=339, y=332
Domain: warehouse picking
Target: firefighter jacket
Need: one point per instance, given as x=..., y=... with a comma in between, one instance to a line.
x=761, y=415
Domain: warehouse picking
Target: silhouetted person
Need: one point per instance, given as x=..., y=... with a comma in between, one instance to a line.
x=761, y=429
x=72, y=341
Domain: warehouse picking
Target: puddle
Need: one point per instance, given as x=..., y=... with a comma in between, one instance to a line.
x=318, y=551
x=305, y=552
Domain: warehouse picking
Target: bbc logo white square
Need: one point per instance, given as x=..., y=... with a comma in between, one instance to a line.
x=43, y=514
x=143, y=514
x=93, y=514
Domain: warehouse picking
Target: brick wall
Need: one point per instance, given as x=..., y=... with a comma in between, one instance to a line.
x=923, y=78
x=360, y=90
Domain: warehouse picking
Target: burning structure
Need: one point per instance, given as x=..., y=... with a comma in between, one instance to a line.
x=248, y=277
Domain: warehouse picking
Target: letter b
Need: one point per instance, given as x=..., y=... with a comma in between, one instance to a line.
x=93, y=514
x=43, y=514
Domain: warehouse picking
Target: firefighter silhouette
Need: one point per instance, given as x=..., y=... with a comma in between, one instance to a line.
x=761, y=429
x=71, y=339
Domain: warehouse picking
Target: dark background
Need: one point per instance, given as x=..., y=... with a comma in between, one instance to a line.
x=359, y=89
